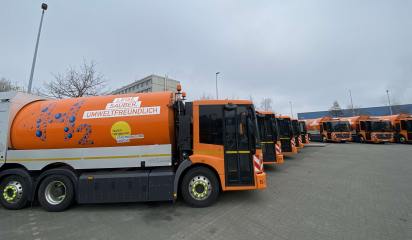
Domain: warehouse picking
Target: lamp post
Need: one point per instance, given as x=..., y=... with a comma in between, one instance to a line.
x=351, y=103
x=217, y=92
x=389, y=102
x=44, y=8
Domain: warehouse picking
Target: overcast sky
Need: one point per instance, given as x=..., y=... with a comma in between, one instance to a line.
x=307, y=52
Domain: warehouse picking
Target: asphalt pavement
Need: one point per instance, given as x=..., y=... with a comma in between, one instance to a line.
x=339, y=191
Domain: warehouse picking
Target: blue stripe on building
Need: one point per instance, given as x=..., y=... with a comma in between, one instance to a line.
x=372, y=111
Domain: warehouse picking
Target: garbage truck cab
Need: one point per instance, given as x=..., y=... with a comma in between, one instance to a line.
x=268, y=131
x=287, y=140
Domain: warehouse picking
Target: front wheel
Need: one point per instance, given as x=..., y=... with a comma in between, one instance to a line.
x=402, y=139
x=362, y=139
x=200, y=187
x=56, y=193
x=14, y=192
x=324, y=139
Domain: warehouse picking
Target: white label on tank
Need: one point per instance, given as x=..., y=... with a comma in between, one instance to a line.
x=125, y=112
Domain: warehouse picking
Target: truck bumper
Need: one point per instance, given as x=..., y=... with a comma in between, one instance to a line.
x=279, y=159
x=261, y=180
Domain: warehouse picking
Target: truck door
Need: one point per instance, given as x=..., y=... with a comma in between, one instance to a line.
x=266, y=138
x=237, y=142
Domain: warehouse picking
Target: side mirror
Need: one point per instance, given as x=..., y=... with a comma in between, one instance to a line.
x=230, y=107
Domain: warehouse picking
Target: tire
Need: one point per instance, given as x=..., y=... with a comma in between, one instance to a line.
x=324, y=139
x=361, y=139
x=14, y=192
x=402, y=139
x=197, y=182
x=56, y=193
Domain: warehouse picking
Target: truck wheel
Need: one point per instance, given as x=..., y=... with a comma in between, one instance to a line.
x=402, y=139
x=13, y=191
x=200, y=187
x=324, y=139
x=362, y=140
x=56, y=193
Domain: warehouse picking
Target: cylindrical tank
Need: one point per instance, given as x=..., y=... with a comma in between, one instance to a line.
x=313, y=124
x=101, y=121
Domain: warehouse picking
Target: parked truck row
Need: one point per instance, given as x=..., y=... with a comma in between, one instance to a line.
x=135, y=148
x=371, y=129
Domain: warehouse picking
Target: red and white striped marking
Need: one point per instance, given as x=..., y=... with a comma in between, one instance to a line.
x=278, y=148
x=300, y=140
x=292, y=142
x=258, y=164
x=307, y=138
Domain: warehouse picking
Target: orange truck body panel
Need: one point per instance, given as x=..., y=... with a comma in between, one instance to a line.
x=94, y=122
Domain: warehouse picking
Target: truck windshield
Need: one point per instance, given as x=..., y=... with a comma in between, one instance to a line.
x=295, y=127
x=339, y=126
x=265, y=127
x=284, y=127
x=409, y=125
x=302, y=126
x=253, y=127
x=380, y=126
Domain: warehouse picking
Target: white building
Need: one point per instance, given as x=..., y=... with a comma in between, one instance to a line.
x=151, y=83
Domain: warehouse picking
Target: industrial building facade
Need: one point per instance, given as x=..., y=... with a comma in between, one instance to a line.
x=151, y=83
x=372, y=111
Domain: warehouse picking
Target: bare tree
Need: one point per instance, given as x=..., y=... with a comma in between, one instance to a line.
x=6, y=85
x=336, y=110
x=85, y=81
x=206, y=96
x=266, y=104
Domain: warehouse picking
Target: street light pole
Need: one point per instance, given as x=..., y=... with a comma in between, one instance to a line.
x=389, y=102
x=217, y=92
x=44, y=8
x=351, y=103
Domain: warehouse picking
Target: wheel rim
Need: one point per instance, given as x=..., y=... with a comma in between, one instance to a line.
x=55, y=192
x=402, y=139
x=13, y=192
x=200, y=187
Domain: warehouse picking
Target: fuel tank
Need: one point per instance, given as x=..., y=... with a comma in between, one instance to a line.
x=101, y=121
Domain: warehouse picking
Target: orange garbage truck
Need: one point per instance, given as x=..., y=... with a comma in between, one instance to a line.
x=304, y=132
x=370, y=129
x=402, y=124
x=125, y=148
x=328, y=129
x=287, y=140
x=297, y=134
x=269, y=138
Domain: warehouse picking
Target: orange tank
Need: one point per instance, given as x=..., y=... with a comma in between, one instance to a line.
x=101, y=121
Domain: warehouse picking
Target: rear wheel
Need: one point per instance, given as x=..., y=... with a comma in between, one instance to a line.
x=200, y=187
x=14, y=192
x=56, y=193
x=402, y=139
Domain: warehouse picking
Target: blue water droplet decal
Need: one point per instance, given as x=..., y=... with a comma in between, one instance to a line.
x=72, y=119
x=66, y=129
x=69, y=135
x=38, y=133
x=58, y=115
